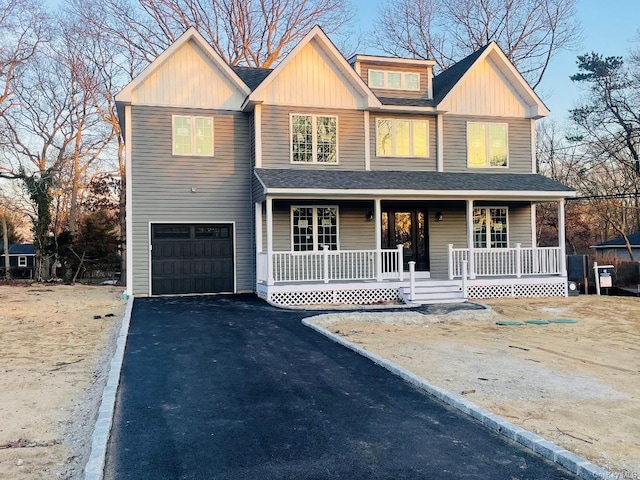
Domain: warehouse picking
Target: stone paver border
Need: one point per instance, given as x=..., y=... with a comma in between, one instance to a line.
x=94, y=469
x=549, y=450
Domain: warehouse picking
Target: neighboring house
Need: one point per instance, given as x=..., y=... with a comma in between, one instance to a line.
x=21, y=260
x=321, y=180
x=618, y=248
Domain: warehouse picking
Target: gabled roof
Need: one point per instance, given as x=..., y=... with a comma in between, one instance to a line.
x=618, y=242
x=190, y=35
x=379, y=182
x=20, y=249
x=445, y=83
x=334, y=54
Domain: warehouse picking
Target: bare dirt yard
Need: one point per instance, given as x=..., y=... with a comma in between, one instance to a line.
x=52, y=368
x=577, y=385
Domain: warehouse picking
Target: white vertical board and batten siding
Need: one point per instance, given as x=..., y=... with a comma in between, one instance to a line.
x=163, y=184
x=276, y=137
x=189, y=78
x=455, y=144
x=310, y=79
x=485, y=91
x=404, y=163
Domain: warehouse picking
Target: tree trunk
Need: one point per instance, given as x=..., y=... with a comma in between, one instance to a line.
x=5, y=245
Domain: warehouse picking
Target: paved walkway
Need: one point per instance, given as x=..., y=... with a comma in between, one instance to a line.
x=231, y=388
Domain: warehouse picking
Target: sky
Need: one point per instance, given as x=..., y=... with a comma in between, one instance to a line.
x=609, y=28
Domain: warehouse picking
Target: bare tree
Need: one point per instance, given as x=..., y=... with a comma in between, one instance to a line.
x=530, y=32
x=23, y=27
x=250, y=32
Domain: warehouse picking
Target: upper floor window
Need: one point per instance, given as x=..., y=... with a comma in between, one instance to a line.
x=490, y=228
x=314, y=139
x=393, y=80
x=313, y=227
x=487, y=145
x=192, y=135
x=397, y=137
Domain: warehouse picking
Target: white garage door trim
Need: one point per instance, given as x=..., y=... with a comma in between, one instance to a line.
x=198, y=222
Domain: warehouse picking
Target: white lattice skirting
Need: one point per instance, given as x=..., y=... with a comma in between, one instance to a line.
x=361, y=296
x=518, y=290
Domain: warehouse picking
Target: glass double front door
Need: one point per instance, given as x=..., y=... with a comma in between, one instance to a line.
x=407, y=227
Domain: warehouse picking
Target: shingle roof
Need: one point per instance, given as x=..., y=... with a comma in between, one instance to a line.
x=409, y=180
x=634, y=240
x=407, y=102
x=20, y=249
x=445, y=81
x=252, y=76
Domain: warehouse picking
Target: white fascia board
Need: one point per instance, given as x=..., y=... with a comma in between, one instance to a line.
x=318, y=34
x=191, y=34
x=391, y=60
x=440, y=194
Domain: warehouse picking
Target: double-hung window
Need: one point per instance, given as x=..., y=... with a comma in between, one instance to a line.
x=397, y=137
x=487, y=145
x=490, y=229
x=314, y=139
x=313, y=227
x=192, y=136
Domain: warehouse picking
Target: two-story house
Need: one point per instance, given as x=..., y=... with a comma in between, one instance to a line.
x=327, y=180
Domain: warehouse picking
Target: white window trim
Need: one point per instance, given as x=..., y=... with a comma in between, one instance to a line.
x=316, y=247
x=403, y=83
x=393, y=138
x=193, y=118
x=486, y=153
x=314, y=139
x=488, y=233
x=22, y=261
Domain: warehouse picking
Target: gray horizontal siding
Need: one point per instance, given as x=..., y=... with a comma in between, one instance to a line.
x=161, y=185
x=404, y=163
x=455, y=144
x=276, y=137
x=452, y=229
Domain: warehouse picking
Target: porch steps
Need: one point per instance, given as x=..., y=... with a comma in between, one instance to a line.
x=444, y=291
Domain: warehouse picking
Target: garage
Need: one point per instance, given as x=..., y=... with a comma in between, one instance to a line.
x=191, y=258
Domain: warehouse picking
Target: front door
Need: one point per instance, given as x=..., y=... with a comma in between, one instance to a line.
x=407, y=227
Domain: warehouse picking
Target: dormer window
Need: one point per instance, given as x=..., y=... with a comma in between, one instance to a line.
x=393, y=80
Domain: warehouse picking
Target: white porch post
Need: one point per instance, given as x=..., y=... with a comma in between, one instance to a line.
x=258, y=230
x=472, y=263
x=270, y=280
x=377, y=215
x=400, y=255
x=562, y=238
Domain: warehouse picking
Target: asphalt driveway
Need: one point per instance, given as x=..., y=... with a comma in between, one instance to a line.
x=231, y=388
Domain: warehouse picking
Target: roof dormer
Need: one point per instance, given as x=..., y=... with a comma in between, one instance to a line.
x=396, y=77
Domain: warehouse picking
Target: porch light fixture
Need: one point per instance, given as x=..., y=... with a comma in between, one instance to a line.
x=439, y=217
x=369, y=216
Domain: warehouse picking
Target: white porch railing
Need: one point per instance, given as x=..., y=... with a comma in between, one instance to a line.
x=510, y=262
x=332, y=265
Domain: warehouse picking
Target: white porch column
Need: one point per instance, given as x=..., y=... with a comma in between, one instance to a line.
x=270, y=280
x=377, y=215
x=472, y=267
x=258, y=230
x=562, y=238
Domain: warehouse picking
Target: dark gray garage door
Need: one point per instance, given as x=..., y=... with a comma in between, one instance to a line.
x=191, y=258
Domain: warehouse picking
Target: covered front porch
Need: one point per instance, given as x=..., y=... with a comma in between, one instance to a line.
x=409, y=257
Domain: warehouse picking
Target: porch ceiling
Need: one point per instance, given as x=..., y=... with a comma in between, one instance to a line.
x=378, y=183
